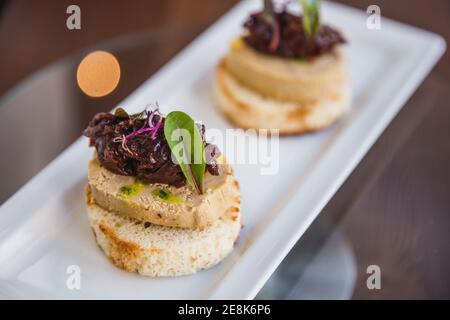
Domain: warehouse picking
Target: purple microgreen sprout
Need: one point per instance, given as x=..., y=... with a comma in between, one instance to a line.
x=157, y=127
x=270, y=16
x=138, y=132
x=147, y=127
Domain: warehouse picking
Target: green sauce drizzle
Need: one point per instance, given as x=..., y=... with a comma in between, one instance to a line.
x=165, y=196
x=131, y=190
x=299, y=60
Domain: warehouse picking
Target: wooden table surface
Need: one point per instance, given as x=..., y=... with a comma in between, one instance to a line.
x=395, y=207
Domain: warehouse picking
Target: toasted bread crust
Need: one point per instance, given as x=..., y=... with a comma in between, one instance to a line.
x=249, y=109
x=123, y=254
x=159, y=251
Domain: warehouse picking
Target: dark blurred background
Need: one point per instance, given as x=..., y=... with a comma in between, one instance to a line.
x=33, y=33
x=394, y=209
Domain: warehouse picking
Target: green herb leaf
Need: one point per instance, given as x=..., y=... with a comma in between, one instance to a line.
x=270, y=16
x=121, y=113
x=186, y=144
x=311, y=16
x=268, y=11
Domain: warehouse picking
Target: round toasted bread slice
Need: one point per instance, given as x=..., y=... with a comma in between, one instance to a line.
x=188, y=209
x=301, y=81
x=158, y=251
x=247, y=108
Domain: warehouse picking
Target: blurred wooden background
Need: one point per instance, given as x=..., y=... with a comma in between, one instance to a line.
x=395, y=208
x=34, y=33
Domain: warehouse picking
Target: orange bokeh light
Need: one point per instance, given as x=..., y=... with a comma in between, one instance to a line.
x=98, y=74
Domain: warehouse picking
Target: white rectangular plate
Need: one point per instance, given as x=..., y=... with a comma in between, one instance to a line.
x=44, y=228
